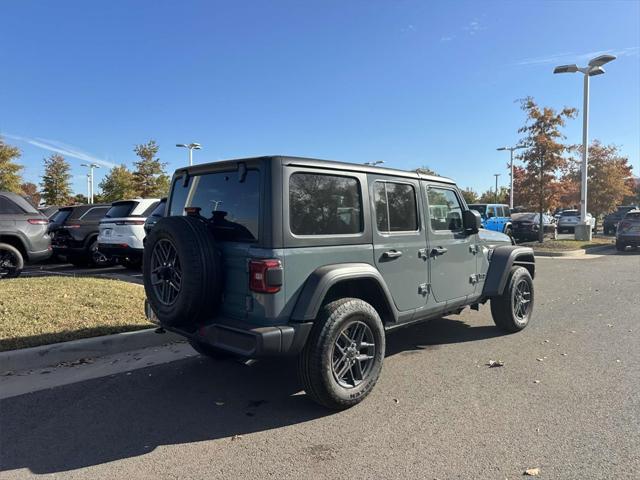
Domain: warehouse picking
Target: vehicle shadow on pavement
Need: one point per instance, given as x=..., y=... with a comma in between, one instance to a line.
x=191, y=400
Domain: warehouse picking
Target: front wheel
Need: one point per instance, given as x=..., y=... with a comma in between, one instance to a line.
x=11, y=261
x=342, y=360
x=621, y=247
x=512, y=310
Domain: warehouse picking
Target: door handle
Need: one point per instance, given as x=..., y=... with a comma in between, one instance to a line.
x=392, y=254
x=438, y=251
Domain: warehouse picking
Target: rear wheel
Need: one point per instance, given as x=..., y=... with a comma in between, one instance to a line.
x=11, y=261
x=512, y=310
x=342, y=360
x=621, y=247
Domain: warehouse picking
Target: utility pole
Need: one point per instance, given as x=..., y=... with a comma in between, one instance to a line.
x=593, y=68
x=191, y=147
x=496, y=196
x=511, y=149
x=91, y=166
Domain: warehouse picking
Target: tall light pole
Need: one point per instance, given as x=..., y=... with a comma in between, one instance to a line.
x=593, y=68
x=496, y=196
x=88, y=187
x=91, y=166
x=511, y=149
x=191, y=147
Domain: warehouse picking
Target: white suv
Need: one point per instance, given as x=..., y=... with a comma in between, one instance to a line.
x=122, y=230
x=570, y=218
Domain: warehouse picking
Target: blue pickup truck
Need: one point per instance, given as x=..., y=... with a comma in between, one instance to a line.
x=495, y=216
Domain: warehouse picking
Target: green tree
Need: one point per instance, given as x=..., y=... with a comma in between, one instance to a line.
x=543, y=157
x=490, y=196
x=10, y=178
x=79, y=199
x=470, y=195
x=149, y=177
x=608, y=174
x=30, y=190
x=118, y=184
x=56, y=187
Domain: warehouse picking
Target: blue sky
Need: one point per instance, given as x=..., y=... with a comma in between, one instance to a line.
x=408, y=82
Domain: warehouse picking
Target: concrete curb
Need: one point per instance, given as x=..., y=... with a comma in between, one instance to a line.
x=56, y=353
x=572, y=253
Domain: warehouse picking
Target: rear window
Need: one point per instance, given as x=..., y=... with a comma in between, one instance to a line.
x=8, y=207
x=231, y=206
x=60, y=216
x=94, y=214
x=121, y=209
x=322, y=204
x=150, y=209
x=570, y=213
x=633, y=215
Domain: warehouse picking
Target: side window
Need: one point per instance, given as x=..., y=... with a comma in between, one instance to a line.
x=8, y=207
x=322, y=204
x=445, y=210
x=395, y=206
x=491, y=212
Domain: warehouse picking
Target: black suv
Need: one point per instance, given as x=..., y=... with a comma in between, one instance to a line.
x=317, y=259
x=23, y=234
x=74, y=234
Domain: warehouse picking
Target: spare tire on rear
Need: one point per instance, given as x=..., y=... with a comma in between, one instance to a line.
x=181, y=271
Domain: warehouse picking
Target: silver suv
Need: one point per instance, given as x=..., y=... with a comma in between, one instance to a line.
x=23, y=234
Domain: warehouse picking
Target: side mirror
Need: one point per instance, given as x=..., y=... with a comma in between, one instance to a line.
x=471, y=221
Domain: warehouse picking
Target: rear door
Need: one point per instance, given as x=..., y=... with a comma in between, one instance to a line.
x=399, y=240
x=452, y=258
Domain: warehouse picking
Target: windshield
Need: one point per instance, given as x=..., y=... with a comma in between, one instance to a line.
x=232, y=207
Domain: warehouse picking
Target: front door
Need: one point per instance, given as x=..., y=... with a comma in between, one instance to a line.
x=399, y=240
x=452, y=258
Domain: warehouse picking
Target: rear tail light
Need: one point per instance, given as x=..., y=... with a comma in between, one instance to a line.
x=265, y=276
x=130, y=222
x=38, y=221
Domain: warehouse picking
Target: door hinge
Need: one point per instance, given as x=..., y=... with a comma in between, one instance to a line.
x=477, y=277
x=424, y=288
x=422, y=253
x=474, y=248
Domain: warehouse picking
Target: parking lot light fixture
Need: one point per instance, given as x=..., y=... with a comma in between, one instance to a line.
x=191, y=147
x=496, y=175
x=91, y=166
x=593, y=68
x=511, y=149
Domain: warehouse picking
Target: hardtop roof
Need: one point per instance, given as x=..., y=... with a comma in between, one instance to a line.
x=314, y=163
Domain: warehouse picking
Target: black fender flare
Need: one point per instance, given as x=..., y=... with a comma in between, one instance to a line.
x=323, y=278
x=503, y=258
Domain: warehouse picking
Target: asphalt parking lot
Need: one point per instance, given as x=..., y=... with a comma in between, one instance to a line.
x=567, y=401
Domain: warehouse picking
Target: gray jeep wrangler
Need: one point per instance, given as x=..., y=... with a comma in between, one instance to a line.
x=317, y=259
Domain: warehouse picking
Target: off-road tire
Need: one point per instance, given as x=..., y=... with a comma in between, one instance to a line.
x=11, y=251
x=503, y=307
x=199, y=262
x=210, y=351
x=315, y=368
x=621, y=247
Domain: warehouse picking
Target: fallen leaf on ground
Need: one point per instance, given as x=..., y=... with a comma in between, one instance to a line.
x=536, y=381
x=236, y=437
x=563, y=354
x=532, y=472
x=540, y=359
x=395, y=400
x=495, y=363
x=219, y=404
x=609, y=325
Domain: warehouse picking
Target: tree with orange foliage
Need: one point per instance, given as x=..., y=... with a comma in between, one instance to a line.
x=543, y=155
x=608, y=177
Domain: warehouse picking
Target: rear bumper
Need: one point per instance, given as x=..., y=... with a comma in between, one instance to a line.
x=120, y=250
x=244, y=339
x=40, y=256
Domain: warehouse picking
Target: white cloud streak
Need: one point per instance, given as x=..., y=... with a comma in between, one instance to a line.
x=61, y=148
x=572, y=57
